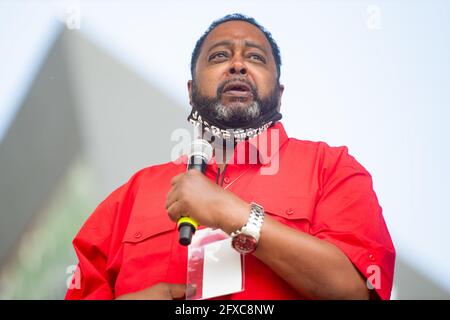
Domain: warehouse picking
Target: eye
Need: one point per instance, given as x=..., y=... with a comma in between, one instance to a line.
x=258, y=57
x=217, y=55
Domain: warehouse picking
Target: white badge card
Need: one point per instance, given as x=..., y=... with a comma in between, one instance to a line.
x=214, y=267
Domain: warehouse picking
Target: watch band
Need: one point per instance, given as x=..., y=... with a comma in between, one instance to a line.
x=254, y=222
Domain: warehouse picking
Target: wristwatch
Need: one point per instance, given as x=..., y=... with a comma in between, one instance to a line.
x=246, y=239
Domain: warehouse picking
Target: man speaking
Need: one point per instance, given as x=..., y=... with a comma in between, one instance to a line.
x=303, y=215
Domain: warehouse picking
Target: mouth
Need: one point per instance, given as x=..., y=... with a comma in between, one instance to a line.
x=237, y=89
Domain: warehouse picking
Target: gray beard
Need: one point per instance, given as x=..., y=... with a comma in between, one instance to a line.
x=234, y=115
x=247, y=113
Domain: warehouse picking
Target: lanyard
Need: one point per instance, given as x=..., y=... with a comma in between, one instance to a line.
x=223, y=176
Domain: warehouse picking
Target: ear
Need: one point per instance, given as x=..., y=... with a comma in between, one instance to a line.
x=280, y=94
x=189, y=85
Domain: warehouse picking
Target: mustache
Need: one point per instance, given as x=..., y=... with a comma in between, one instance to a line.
x=240, y=79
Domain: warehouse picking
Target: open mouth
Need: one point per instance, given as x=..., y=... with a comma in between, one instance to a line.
x=238, y=88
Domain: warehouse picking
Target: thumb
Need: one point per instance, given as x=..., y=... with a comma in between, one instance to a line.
x=177, y=290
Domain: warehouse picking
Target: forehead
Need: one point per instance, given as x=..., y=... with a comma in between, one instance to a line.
x=235, y=31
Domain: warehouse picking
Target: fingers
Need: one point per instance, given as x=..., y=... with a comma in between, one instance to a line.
x=176, y=179
x=191, y=172
x=159, y=291
x=171, y=197
x=175, y=211
x=177, y=199
x=191, y=290
x=177, y=290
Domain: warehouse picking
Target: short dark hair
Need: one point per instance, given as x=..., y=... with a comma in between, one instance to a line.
x=236, y=17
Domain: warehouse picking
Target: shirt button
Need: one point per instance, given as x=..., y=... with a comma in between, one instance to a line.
x=289, y=211
x=226, y=180
x=137, y=235
x=371, y=257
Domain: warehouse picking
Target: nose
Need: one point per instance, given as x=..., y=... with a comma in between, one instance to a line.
x=237, y=68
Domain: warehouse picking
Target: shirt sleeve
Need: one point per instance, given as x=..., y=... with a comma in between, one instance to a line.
x=92, y=280
x=349, y=216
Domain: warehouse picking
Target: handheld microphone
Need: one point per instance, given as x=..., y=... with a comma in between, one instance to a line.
x=201, y=153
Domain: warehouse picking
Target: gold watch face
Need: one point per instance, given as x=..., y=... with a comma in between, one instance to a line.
x=244, y=243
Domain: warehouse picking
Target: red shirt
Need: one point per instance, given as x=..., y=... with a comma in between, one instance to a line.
x=129, y=243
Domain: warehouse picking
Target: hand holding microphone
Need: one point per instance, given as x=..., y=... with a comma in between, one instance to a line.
x=194, y=199
x=200, y=155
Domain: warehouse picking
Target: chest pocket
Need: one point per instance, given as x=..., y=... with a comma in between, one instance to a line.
x=294, y=211
x=147, y=249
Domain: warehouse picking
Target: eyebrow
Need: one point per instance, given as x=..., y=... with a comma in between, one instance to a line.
x=229, y=43
x=255, y=45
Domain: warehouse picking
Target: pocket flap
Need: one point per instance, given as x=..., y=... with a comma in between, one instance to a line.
x=140, y=231
x=288, y=207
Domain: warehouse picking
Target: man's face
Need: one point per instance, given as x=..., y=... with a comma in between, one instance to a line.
x=235, y=76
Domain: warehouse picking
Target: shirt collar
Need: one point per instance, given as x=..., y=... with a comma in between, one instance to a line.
x=260, y=149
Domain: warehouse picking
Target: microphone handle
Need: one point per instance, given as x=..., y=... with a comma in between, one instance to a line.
x=197, y=163
x=186, y=225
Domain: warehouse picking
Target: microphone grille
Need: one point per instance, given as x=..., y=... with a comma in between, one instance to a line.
x=201, y=148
